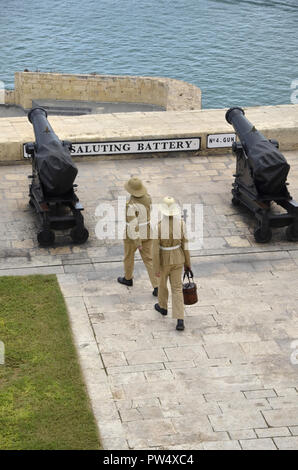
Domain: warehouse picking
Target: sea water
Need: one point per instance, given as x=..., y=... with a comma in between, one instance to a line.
x=239, y=52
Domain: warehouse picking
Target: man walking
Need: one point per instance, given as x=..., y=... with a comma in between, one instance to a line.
x=137, y=234
x=170, y=253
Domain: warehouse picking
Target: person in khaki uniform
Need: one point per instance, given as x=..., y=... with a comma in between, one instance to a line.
x=170, y=254
x=137, y=234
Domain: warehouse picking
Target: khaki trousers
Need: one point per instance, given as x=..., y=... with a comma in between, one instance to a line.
x=146, y=254
x=174, y=272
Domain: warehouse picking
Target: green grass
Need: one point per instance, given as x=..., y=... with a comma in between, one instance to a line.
x=43, y=401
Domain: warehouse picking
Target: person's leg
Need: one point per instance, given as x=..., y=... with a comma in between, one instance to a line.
x=163, y=293
x=177, y=294
x=129, y=258
x=146, y=254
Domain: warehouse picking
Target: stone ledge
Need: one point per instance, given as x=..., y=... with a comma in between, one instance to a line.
x=277, y=122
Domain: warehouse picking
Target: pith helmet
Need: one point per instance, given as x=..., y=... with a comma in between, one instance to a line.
x=135, y=187
x=169, y=207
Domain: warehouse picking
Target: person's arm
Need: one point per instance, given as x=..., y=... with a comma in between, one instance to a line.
x=184, y=246
x=155, y=253
x=132, y=225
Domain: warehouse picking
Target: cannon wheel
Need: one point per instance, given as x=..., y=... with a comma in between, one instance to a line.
x=291, y=234
x=235, y=201
x=79, y=234
x=46, y=237
x=261, y=237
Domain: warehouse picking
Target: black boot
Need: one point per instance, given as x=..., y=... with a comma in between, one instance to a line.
x=155, y=291
x=163, y=311
x=180, y=325
x=126, y=282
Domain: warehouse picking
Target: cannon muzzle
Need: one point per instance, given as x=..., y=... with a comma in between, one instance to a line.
x=233, y=111
x=52, y=158
x=269, y=168
x=36, y=111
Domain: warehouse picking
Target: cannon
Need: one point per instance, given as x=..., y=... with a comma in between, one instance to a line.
x=52, y=188
x=261, y=179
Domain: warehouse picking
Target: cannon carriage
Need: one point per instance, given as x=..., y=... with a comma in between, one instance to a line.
x=52, y=189
x=261, y=179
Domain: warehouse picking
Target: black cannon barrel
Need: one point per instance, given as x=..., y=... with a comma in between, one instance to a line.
x=269, y=167
x=42, y=129
x=53, y=161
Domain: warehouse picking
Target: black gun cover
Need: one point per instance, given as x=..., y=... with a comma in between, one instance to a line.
x=53, y=161
x=268, y=166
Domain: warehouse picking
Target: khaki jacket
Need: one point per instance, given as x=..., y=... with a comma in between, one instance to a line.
x=138, y=219
x=179, y=255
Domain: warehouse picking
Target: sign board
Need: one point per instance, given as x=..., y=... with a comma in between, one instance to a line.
x=81, y=149
x=215, y=141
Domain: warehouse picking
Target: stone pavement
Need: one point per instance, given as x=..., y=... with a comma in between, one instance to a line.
x=230, y=380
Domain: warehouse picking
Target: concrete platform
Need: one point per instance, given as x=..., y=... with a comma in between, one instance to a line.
x=10, y=110
x=230, y=380
x=78, y=108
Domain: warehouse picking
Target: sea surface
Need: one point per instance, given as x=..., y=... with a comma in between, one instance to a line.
x=239, y=52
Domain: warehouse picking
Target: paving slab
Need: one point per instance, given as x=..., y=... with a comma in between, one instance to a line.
x=258, y=444
x=286, y=443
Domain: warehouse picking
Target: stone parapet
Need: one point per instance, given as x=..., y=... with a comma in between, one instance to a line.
x=9, y=97
x=166, y=92
x=277, y=122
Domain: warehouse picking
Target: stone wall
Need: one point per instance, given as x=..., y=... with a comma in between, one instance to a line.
x=9, y=97
x=168, y=93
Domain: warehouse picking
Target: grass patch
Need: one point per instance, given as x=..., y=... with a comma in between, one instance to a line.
x=43, y=401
